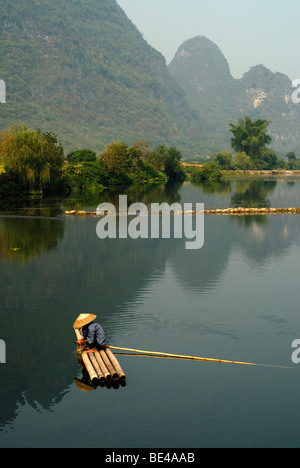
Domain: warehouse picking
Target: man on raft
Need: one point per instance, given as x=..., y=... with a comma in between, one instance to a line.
x=92, y=333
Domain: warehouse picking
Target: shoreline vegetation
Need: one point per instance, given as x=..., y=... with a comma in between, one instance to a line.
x=33, y=163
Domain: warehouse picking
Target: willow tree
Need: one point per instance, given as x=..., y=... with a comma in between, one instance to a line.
x=32, y=156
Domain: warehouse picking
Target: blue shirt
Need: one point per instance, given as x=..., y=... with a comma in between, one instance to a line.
x=95, y=335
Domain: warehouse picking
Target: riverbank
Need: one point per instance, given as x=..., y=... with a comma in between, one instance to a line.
x=253, y=173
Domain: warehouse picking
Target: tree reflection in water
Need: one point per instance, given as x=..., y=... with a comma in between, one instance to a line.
x=24, y=238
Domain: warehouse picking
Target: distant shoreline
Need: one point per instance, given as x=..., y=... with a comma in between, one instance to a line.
x=269, y=173
x=250, y=172
x=234, y=173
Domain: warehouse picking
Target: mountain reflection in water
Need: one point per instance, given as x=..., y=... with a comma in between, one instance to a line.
x=53, y=269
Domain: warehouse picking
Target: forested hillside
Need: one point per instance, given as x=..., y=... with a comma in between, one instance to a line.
x=83, y=71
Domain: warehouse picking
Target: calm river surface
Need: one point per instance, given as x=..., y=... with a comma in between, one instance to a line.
x=237, y=299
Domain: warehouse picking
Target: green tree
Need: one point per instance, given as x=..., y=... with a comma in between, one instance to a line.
x=243, y=161
x=224, y=159
x=268, y=159
x=209, y=172
x=167, y=160
x=156, y=158
x=173, y=168
x=55, y=158
x=83, y=155
x=291, y=156
x=125, y=165
x=281, y=164
x=140, y=165
x=293, y=163
x=117, y=159
x=32, y=157
x=87, y=177
x=252, y=138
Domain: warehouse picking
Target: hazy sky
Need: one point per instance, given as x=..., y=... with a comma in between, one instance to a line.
x=248, y=32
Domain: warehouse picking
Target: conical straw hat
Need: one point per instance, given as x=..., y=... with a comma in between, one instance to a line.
x=84, y=319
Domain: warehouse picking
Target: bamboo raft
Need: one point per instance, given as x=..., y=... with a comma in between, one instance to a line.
x=102, y=366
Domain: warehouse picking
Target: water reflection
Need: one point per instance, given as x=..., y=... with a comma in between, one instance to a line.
x=169, y=193
x=222, y=187
x=266, y=237
x=41, y=294
x=244, y=193
x=84, y=383
x=253, y=193
x=32, y=207
x=23, y=238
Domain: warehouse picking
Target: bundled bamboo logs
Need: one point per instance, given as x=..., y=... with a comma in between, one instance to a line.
x=114, y=374
x=116, y=364
x=90, y=369
x=102, y=367
x=97, y=368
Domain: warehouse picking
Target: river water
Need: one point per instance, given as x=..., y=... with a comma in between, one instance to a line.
x=237, y=298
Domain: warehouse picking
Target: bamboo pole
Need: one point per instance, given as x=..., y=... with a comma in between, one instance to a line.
x=115, y=363
x=194, y=358
x=114, y=374
x=96, y=366
x=102, y=366
x=89, y=367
